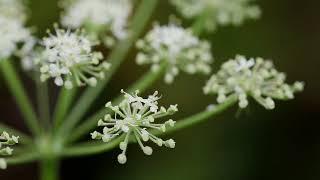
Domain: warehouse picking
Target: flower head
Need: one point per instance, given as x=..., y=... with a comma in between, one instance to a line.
x=12, y=33
x=69, y=59
x=108, y=15
x=178, y=48
x=254, y=77
x=135, y=116
x=5, y=141
x=218, y=12
x=14, y=9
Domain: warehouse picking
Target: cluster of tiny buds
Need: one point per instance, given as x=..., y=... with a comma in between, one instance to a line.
x=178, y=48
x=99, y=16
x=218, y=12
x=253, y=77
x=69, y=59
x=135, y=116
x=5, y=141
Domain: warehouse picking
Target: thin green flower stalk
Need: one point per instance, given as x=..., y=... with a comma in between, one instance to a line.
x=106, y=20
x=253, y=77
x=181, y=50
x=135, y=116
x=217, y=13
x=68, y=58
x=5, y=150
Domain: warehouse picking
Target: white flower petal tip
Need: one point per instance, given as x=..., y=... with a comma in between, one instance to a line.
x=100, y=16
x=176, y=47
x=135, y=117
x=218, y=12
x=251, y=77
x=5, y=141
x=69, y=59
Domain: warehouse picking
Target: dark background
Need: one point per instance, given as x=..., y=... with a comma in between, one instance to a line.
x=259, y=144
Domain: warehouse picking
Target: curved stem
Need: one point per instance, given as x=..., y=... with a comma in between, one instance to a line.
x=139, y=22
x=22, y=158
x=90, y=148
x=24, y=139
x=142, y=85
x=20, y=96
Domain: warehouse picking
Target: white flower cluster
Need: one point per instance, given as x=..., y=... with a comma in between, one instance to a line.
x=135, y=116
x=12, y=31
x=178, y=48
x=254, y=77
x=108, y=15
x=218, y=12
x=69, y=59
x=5, y=141
x=14, y=9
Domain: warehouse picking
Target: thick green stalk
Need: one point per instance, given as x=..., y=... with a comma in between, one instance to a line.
x=49, y=169
x=43, y=101
x=24, y=139
x=64, y=102
x=93, y=148
x=199, y=24
x=120, y=52
x=17, y=90
x=142, y=85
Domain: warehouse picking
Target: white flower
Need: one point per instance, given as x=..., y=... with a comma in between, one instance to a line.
x=12, y=33
x=178, y=48
x=218, y=12
x=69, y=59
x=254, y=77
x=14, y=9
x=5, y=141
x=135, y=116
x=110, y=15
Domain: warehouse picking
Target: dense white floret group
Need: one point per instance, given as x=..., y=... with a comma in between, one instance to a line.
x=218, y=12
x=178, y=48
x=69, y=59
x=251, y=77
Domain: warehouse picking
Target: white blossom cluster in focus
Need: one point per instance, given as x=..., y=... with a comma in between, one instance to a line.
x=12, y=31
x=251, y=77
x=99, y=15
x=178, y=48
x=5, y=141
x=68, y=58
x=135, y=116
x=218, y=12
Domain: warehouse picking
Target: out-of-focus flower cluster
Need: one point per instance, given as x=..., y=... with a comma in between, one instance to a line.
x=218, y=12
x=251, y=77
x=178, y=48
x=68, y=58
x=12, y=31
x=109, y=17
x=135, y=116
x=5, y=141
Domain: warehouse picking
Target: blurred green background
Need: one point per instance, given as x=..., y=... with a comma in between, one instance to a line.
x=256, y=144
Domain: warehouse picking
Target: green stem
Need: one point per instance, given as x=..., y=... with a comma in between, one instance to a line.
x=93, y=148
x=22, y=158
x=49, y=169
x=64, y=102
x=17, y=90
x=199, y=24
x=24, y=139
x=139, y=22
x=142, y=85
x=43, y=101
